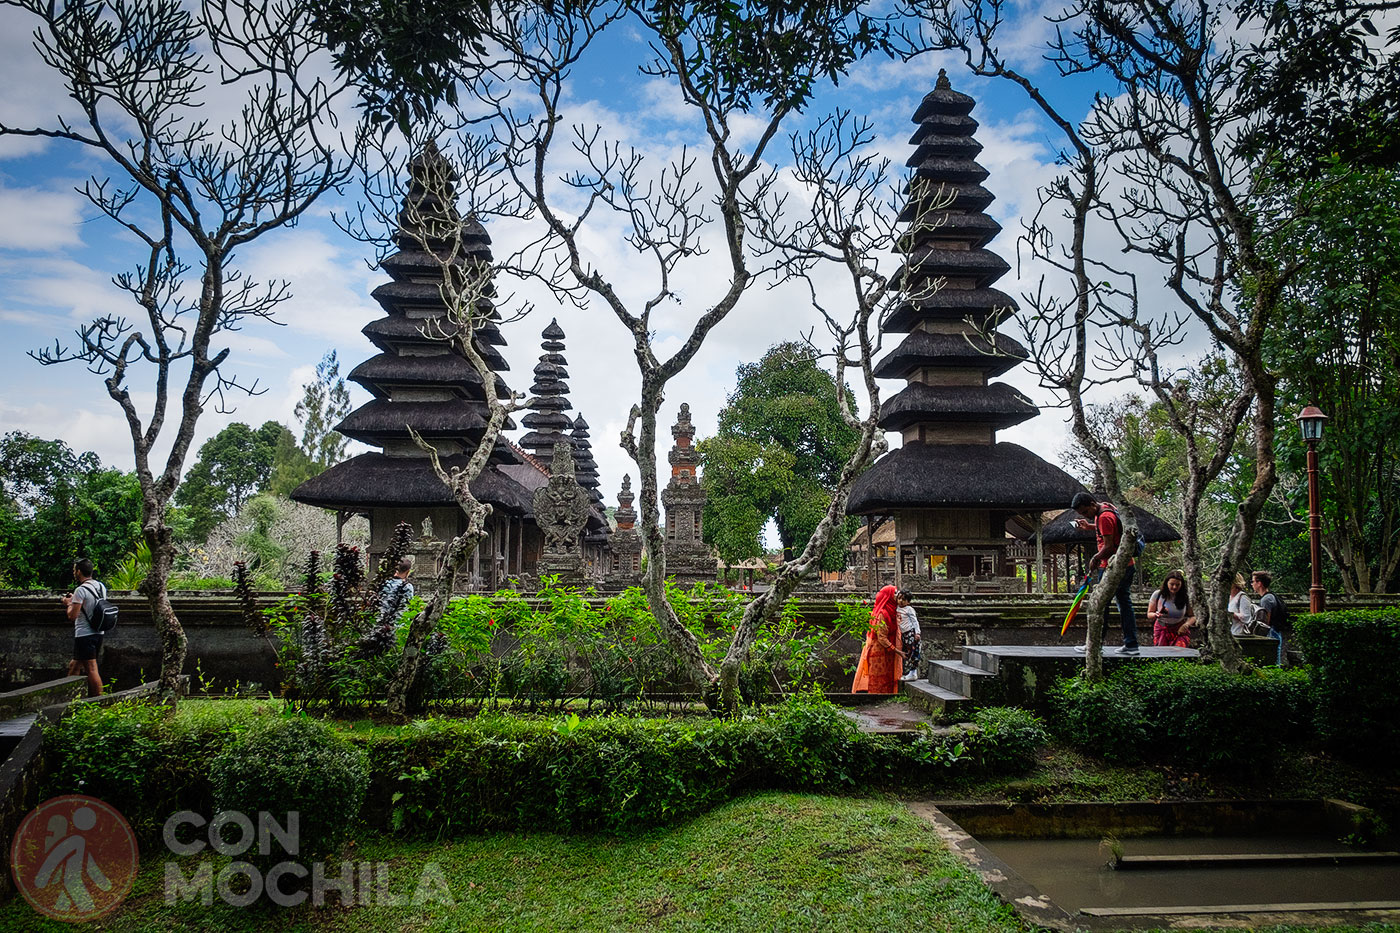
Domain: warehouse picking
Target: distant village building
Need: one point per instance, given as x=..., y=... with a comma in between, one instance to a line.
x=688, y=557
x=951, y=487
x=418, y=380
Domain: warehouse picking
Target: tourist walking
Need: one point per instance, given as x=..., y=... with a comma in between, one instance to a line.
x=1240, y=608
x=909, y=634
x=395, y=594
x=1272, y=611
x=1102, y=519
x=879, y=667
x=87, y=640
x=1169, y=610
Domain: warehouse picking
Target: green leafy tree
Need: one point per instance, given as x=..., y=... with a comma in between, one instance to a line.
x=779, y=451
x=58, y=506
x=290, y=465
x=233, y=465
x=1339, y=348
x=325, y=401
x=207, y=126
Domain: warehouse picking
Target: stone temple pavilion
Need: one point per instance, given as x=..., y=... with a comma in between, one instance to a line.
x=951, y=486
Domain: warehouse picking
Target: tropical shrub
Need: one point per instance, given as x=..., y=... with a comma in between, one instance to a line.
x=293, y=765
x=1352, y=658
x=1195, y=715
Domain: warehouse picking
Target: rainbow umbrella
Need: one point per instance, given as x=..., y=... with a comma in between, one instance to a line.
x=1074, y=606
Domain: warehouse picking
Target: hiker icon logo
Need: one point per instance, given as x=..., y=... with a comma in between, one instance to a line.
x=74, y=858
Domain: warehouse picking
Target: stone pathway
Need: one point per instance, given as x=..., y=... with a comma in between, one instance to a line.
x=892, y=717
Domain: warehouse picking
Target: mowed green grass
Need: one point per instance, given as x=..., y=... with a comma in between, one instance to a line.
x=765, y=862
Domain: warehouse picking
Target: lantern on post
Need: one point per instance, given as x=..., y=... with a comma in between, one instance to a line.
x=1310, y=421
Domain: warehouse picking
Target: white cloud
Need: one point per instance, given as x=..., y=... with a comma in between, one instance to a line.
x=39, y=220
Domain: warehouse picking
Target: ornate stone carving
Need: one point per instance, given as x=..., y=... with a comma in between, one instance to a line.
x=561, y=511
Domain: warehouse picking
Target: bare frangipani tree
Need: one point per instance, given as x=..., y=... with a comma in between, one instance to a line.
x=671, y=215
x=1161, y=165
x=190, y=187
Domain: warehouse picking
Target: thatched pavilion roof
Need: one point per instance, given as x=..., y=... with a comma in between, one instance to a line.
x=375, y=480
x=1061, y=529
x=922, y=475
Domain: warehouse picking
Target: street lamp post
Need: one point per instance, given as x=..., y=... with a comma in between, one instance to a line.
x=1310, y=420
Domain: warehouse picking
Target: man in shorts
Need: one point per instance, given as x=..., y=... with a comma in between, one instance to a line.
x=86, y=640
x=1102, y=519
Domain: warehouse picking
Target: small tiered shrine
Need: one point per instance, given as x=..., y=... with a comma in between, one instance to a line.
x=625, y=545
x=548, y=425
x=418, y=380
x=688, y=557
x=951, y=486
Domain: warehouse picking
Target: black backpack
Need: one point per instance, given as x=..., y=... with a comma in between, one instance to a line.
x=102, y=618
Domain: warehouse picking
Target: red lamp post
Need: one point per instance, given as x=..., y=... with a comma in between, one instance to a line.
x=1310, y=420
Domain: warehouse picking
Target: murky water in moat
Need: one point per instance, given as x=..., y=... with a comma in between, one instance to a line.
x=1072, y=873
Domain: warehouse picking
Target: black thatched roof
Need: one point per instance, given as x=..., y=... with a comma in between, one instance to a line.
x=950, y=304
x=952, y=168
x=943, y=101
x=925, y=194
x=380, y=419
x=553, y=331
x=930, y=261
x=1001, y=476
x=959, y=125
x=375, y=480
x=447, y=370
x=396, y=331
x=963, y=350
x=974, y=230
x=996, y=404
x=945, y=141
x=1061, y=529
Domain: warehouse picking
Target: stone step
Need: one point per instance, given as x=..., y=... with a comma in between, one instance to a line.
x=956, y=676
x=979, y=658
x=931, y=697
x=12, y=731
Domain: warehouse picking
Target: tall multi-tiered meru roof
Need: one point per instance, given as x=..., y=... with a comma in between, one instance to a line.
x=417, y=380
x=950, y=410
x=549, y=397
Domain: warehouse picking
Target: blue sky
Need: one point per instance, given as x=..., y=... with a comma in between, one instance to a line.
x=57, y=258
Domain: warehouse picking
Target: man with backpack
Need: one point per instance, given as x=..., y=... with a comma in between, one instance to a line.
x=83, y=606
x=1271, y=611
x=1102, y=517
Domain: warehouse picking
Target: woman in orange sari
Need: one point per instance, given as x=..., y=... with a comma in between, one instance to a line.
x=880, y=665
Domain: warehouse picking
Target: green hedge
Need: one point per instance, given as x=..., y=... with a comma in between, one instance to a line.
x=1196, y=715
x=1354, y=659
x=446, y=777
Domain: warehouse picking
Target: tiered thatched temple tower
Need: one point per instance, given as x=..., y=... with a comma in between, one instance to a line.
x=951, y=486
x=418, y=380
x=549, y=397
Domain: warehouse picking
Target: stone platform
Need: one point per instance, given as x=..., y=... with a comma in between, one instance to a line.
x=1015, y=675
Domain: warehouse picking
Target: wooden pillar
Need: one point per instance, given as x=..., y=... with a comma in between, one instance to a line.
x=1039, y=553
x=520, y=546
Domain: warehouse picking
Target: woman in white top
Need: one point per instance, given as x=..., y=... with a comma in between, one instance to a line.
x=1171, y=613
x=1241, y=609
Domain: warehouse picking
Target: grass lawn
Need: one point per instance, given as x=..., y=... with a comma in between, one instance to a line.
x=764, y=862
x=767, y=862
